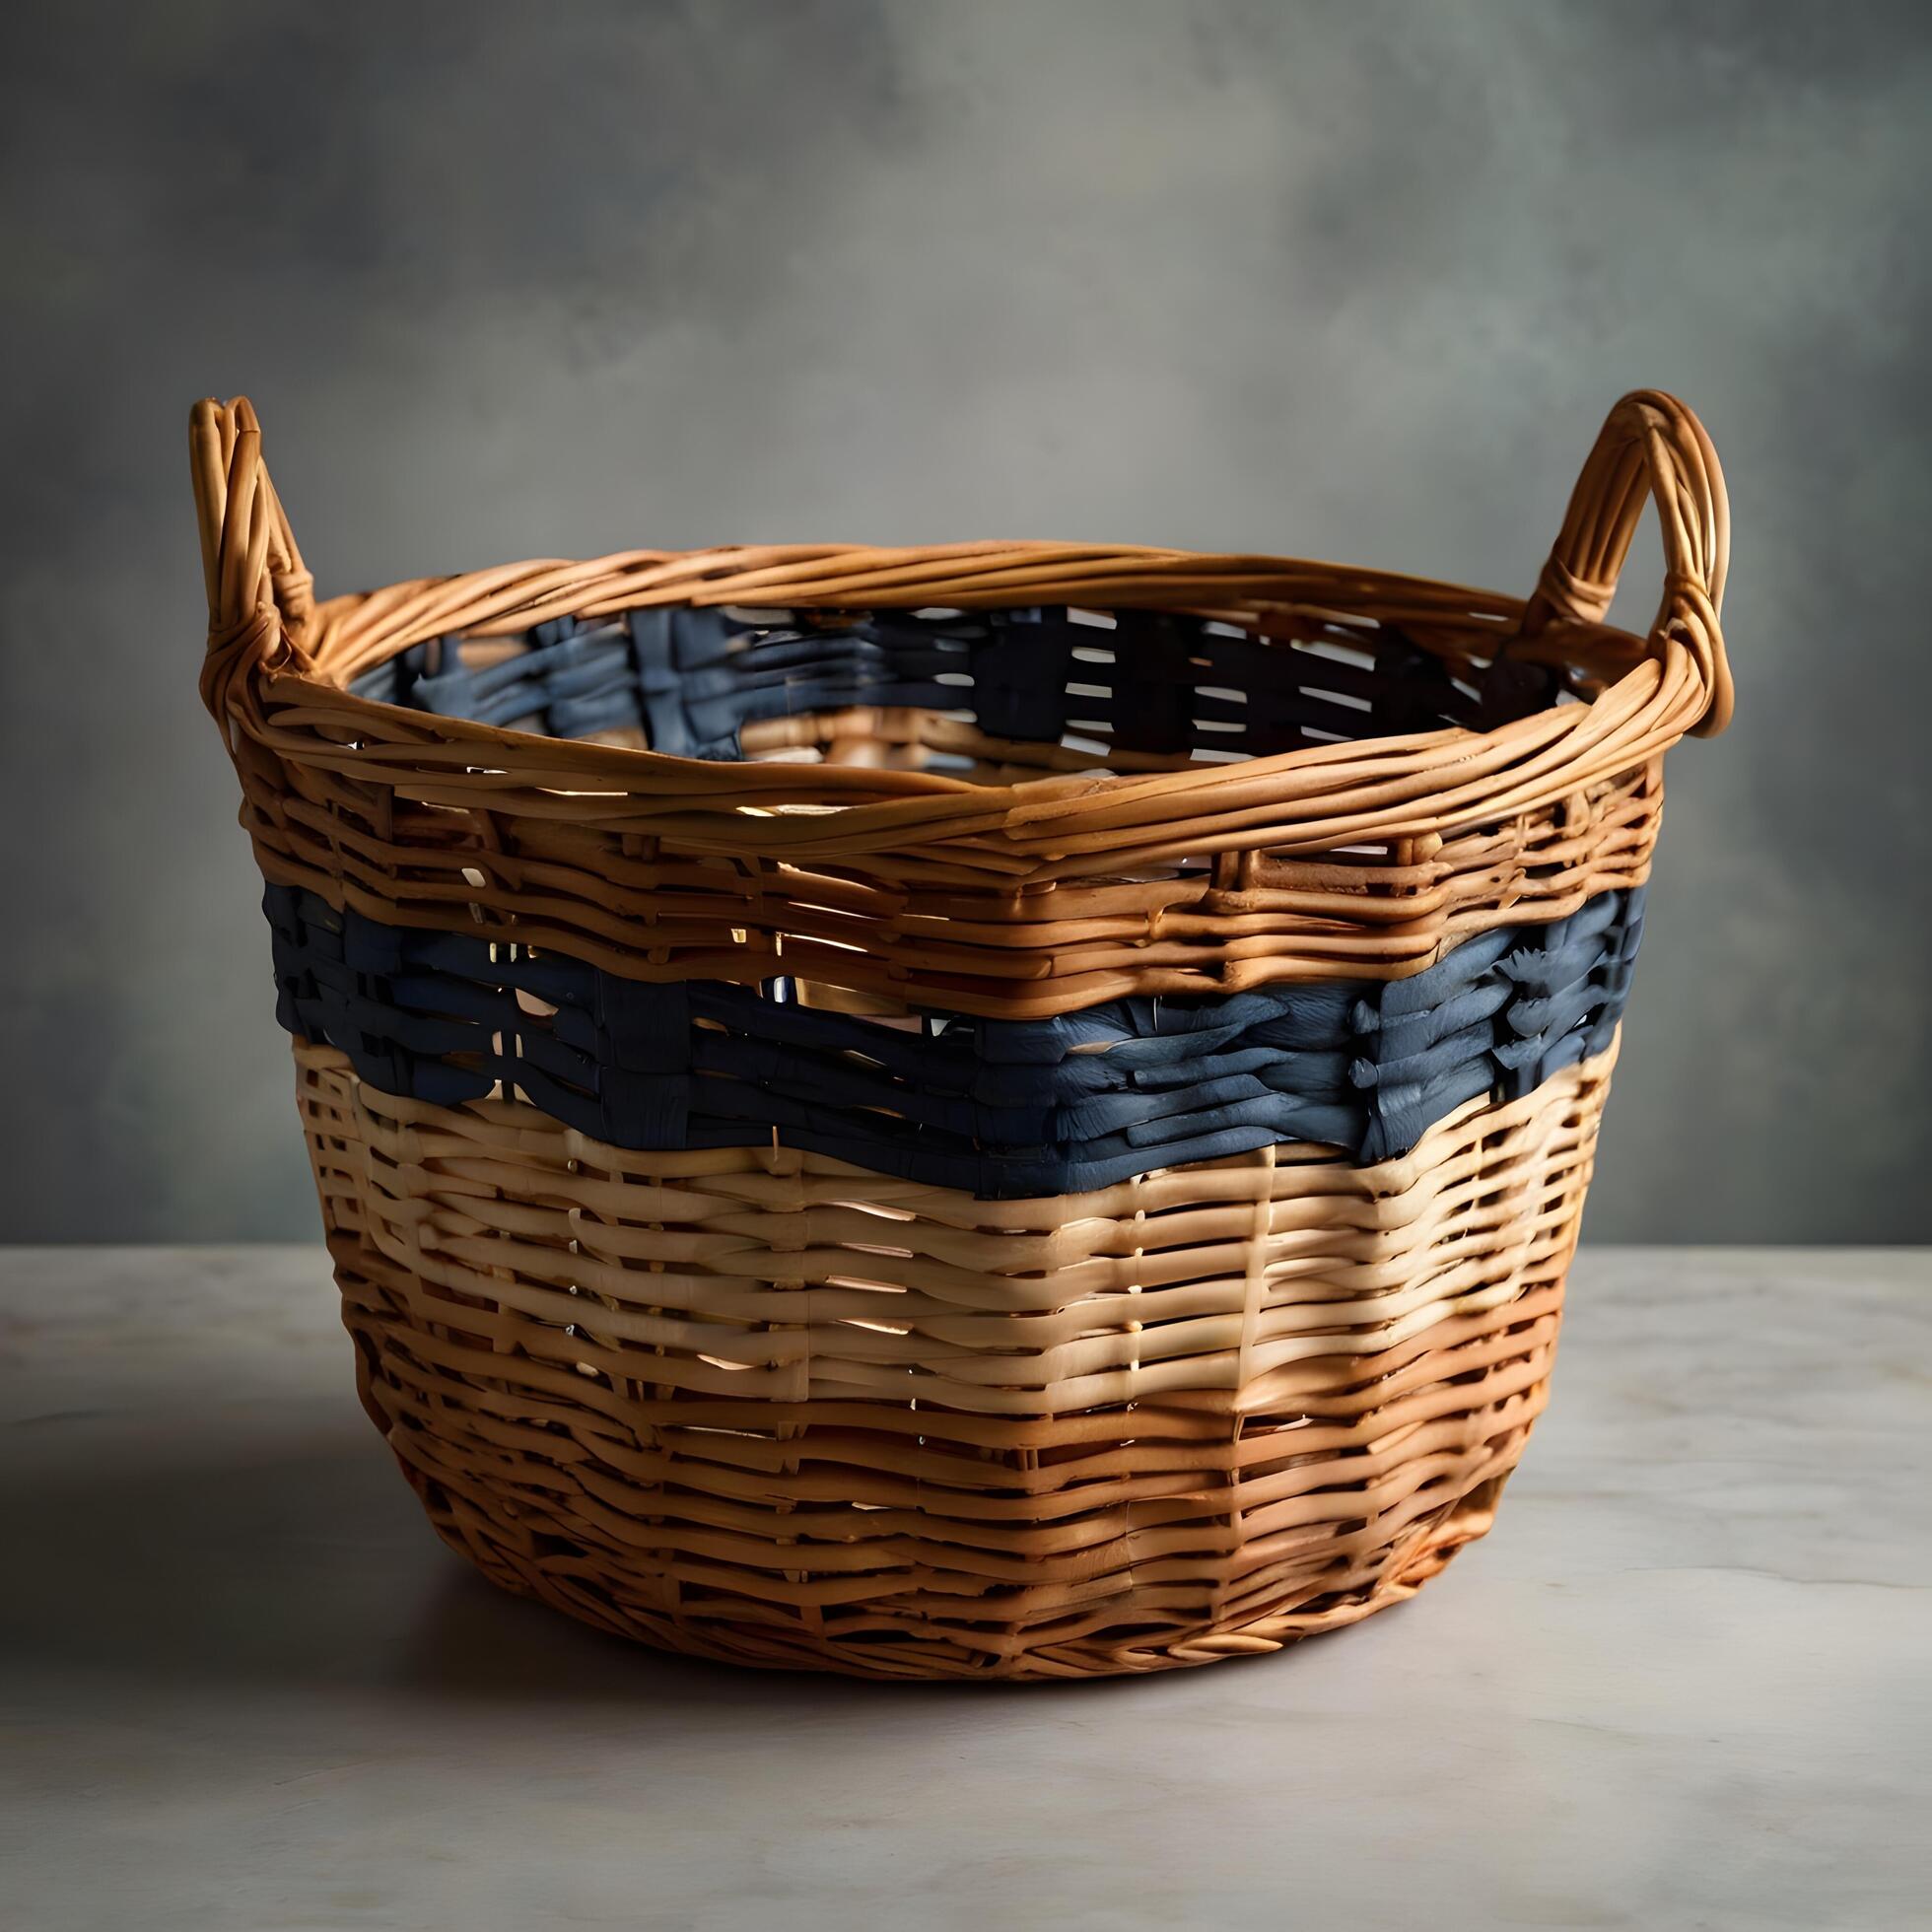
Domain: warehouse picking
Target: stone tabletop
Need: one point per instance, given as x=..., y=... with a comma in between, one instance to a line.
x=1686, y=1682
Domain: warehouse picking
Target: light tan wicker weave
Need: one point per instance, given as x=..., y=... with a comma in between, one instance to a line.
x=1194, y=1416
x=763, y=1405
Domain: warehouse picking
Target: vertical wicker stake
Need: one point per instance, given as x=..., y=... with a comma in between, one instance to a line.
x=1000, y=1110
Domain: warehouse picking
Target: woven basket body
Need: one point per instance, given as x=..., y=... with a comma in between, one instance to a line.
x=994, y=1111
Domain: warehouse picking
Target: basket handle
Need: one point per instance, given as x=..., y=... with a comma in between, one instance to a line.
x=261, y=595
x=1653, y=446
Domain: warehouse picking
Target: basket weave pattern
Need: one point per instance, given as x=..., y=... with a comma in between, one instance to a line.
x=1001, y=1108
x=1196, y=1416
x=987, y=1111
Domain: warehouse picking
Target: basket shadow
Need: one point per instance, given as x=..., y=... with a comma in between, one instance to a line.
x=307, y=1567
x=310, y=1568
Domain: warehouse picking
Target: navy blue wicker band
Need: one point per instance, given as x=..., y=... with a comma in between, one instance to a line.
x=1001, y=1109
x=690, y=679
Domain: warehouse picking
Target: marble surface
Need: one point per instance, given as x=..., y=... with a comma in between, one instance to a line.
x=1685, y=1684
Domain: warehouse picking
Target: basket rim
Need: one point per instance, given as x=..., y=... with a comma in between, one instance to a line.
x=271, y=646
x=354, y=633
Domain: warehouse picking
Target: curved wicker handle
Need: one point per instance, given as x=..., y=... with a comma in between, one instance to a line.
x=1651, y=445
x=258, y=591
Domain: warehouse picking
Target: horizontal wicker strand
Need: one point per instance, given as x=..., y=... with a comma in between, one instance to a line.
x=931, y=938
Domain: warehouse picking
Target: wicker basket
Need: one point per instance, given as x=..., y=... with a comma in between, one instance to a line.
x=1008, y=1110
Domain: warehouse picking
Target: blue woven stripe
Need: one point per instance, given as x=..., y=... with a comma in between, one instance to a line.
x=1154, y=682
x=1001, y=1109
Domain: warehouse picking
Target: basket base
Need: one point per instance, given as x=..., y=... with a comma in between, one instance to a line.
x=922, y=1657
x=1331, y=1577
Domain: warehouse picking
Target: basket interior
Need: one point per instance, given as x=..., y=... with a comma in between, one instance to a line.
x=988, y=696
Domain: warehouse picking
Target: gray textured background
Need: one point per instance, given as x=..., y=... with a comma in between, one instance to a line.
x=1341, y=281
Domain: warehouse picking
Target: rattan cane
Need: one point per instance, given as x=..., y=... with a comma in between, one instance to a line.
x=699, y=965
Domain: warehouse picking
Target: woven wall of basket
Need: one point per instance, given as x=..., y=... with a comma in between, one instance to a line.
x=998, y=1110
